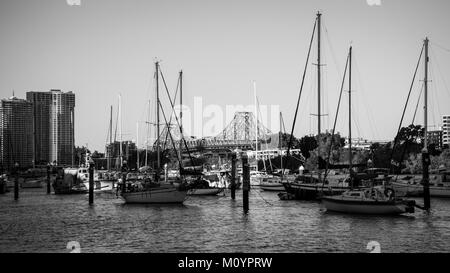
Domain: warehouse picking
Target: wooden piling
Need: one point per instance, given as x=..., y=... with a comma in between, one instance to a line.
x=245, y=181
x=16, y=187
x=124, y=180
x=48, y=179
x=426, y=180
x=16, y=181
x=233, y=176
x=91, y=184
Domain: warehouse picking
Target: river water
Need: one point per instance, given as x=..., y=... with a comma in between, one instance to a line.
x=38, y=222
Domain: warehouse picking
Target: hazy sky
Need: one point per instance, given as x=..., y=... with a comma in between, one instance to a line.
x=105, y=47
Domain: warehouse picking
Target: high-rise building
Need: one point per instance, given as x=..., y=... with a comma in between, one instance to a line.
x=446, y=130
x=16, y=133
x=41, y=116
x=54, y=120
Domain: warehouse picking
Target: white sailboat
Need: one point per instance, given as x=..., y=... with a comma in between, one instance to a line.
x=373, y=200
x=368, y=201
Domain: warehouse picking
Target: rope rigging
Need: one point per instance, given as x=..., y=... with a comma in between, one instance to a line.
x=335, y=121
x=300, y=93
x=404, y=109
x=179, y=126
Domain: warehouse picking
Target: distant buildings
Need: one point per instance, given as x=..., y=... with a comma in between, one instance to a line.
x=360, y=144
x=16, y=133
x=38, y=130
x=54, y=119
x=436, y=138
x=271, y=153
x=446, y=130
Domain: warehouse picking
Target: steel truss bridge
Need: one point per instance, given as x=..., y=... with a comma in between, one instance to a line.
x=240, y=134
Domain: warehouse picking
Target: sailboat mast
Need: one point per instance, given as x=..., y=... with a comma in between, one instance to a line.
x=280, y=139
x=181, y=115
x=319, y=16
x=120, y=131
x=137, y=145
x=157, y=121
x=110, y=139
x=425, y=107
x=425, y=154
x=350, y=155
x=256, y=125
x=146, y=136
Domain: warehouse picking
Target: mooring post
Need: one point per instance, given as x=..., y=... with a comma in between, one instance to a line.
x=426, y=179
x=16, y=181
x=233, y=176
x=124, y=182
x=91, y=182
x=245, y=181
x=48, y=178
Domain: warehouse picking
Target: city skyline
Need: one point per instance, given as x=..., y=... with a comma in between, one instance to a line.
x=222, y=48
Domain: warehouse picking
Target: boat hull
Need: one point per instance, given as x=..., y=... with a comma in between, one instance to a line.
x=313, y=191
x=70, y=189
x=272, y=187
x=100, y=186
x=32, y=184
x=211, y=191
x=155, y=196
x=336, y=204
x=404, y=189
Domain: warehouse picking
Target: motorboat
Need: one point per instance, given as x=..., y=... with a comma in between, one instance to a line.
x=203, y=187
x=67, y=182
x=272, y=184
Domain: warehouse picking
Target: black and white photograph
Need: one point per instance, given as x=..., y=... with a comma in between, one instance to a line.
x=226, y=127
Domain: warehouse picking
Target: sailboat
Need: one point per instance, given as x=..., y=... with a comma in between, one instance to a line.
x=275, y=183
x=152, y=192
x=360, y=200
x=438, y=180
x=313, y=185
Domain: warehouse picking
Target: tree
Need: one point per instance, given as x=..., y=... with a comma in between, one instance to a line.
x=441, y=161
x=412, y=134
x=307, y=144
x=380, y=154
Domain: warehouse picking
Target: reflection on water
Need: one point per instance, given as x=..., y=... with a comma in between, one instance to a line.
x=46, y=223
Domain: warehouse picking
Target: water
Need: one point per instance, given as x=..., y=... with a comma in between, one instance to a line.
x=38, y=222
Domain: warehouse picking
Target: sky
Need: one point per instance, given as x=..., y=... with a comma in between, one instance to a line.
x=102, y=48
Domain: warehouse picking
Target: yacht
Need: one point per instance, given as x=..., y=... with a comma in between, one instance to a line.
x=376, y=200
